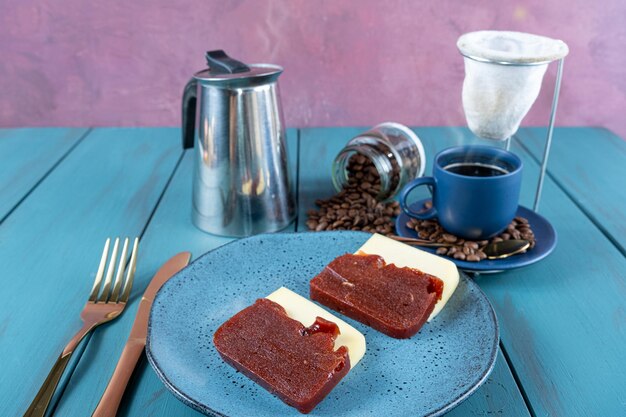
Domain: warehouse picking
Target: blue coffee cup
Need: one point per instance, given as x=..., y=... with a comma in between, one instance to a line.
x=475, y=191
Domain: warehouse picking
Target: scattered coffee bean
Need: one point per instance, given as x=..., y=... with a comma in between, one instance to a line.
x=442, y=251
x=468, y=250
x=471, y=245
x=356, y=206
x=449, y=238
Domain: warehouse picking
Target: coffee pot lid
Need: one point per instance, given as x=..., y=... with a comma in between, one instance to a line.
x=224, y=70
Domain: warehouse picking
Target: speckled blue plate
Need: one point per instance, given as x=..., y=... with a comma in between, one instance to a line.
x=545, y=237
x=426, y=375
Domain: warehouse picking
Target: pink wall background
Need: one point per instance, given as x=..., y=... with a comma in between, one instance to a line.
x=120, y=62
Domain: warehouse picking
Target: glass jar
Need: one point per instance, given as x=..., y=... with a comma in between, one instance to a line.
x=394, y=150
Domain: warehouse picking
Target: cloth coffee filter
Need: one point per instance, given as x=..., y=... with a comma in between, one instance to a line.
x=503, y=76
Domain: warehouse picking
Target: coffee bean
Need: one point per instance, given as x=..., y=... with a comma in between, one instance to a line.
x=357, y=201
x=321, y=226
x=434, y=236
x=360, y=159
x=432, y=231
x=459, y=255
x=449, y=238
x=423, y=234
x=471, y=245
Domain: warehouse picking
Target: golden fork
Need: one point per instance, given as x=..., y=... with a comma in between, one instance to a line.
x=98, y=310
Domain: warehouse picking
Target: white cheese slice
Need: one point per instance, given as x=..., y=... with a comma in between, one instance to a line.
x=305, y=311
x=394, y=252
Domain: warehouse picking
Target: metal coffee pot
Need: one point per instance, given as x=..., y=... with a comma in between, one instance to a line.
x=232, y=115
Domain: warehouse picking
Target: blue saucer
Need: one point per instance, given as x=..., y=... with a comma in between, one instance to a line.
x=426, y=375
x=545, y=236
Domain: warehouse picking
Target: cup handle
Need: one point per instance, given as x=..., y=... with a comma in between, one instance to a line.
x=422, y=215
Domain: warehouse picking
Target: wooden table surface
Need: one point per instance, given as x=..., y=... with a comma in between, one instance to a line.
x=63, y=191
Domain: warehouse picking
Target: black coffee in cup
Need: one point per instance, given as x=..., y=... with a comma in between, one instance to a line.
x=475, y=169
x=475, y=191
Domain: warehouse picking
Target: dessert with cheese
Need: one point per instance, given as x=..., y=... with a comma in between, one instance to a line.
x=393, y=299
x=299, y=364
x=402, y=255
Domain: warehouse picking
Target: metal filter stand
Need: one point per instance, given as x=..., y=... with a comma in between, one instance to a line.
x=555, y=100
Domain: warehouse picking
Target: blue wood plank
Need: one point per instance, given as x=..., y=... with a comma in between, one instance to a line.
x=52, y=243
x=26, y=157
x=589, y=164
x=500, y=396
x=170, y=231
x=563, y=320
x=318, y=147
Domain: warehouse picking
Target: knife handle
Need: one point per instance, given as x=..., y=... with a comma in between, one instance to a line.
x=110, y=401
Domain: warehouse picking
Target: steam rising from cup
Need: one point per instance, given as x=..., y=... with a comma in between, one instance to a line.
x=503, y=75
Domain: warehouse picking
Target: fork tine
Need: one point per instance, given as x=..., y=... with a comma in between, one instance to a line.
x=106, y=288
x=100, y=273
x=130, y=273
x=120, y=273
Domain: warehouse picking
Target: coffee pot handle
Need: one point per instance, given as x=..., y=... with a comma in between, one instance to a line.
x=189, y=113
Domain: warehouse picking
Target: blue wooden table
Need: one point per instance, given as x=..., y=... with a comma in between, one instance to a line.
x=63, y=191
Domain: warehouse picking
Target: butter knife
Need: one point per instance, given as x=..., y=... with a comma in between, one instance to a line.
x=110, y=401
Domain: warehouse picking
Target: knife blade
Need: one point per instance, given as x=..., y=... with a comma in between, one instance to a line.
x=110, y=401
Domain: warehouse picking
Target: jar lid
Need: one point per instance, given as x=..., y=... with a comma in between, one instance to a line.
x=224, y=70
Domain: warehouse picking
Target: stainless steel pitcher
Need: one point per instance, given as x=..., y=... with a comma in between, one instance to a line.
x=231, y=111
